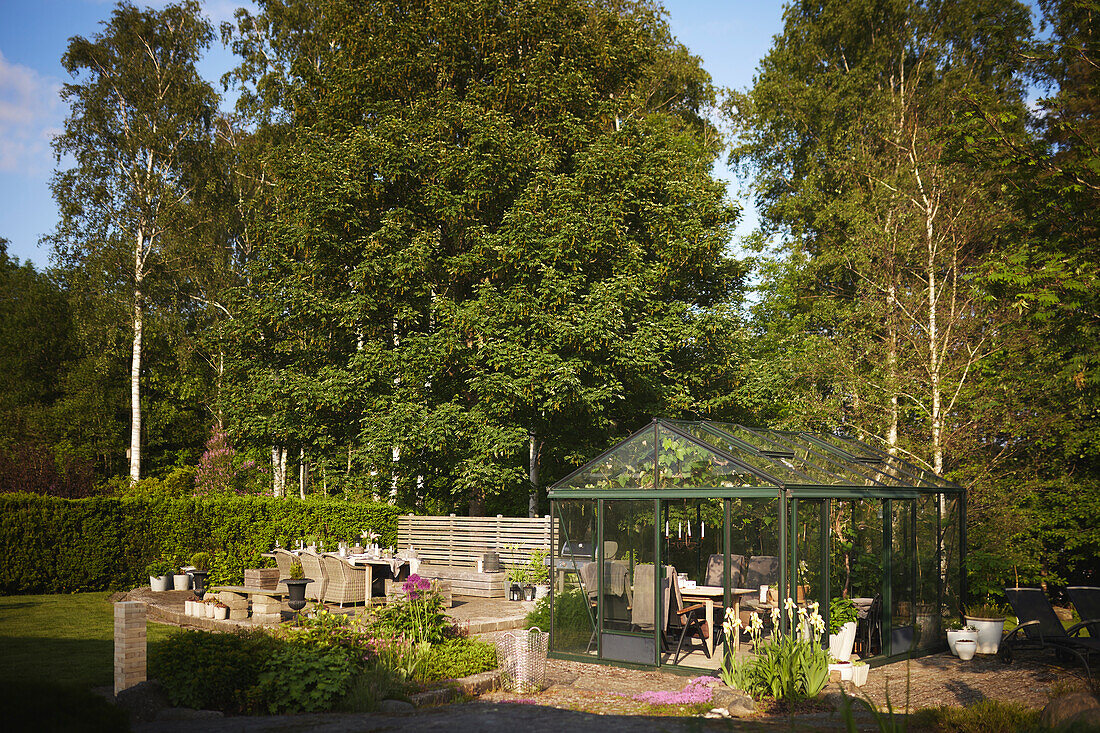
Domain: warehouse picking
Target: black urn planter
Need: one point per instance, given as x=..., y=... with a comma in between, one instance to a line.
x=296, y=592
x=198, y=579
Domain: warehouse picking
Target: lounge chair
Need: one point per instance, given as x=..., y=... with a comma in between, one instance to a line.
x=1086, y=599
x=1040, y=628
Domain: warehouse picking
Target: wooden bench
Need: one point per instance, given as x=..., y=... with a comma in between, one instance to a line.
x=266, y=603
x=467, y=581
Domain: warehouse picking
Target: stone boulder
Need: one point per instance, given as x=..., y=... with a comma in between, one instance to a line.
x=736, y=702
x=1061, y=709
x=1086, y=721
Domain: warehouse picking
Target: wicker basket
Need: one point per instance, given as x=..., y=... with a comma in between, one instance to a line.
x=521, y=657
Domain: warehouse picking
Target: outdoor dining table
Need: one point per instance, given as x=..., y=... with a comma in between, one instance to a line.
x=706, y=594
x=369, y=561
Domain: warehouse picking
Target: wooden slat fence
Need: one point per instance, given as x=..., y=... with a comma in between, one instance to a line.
x=460, y=541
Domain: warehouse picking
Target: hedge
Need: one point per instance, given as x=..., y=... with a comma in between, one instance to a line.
x=54, y=545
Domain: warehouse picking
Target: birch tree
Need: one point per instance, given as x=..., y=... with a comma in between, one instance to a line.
x=138, y=131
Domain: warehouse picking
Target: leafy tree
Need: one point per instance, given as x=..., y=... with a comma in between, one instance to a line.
x=139, y=135
x=491, y=227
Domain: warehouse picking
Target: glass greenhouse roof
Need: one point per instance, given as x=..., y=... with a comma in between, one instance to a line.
x=688, y=455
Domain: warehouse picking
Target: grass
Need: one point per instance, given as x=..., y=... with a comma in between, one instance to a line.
x=61, y=640
x=985, y=716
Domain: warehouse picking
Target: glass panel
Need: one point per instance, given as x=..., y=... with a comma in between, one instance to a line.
x=928, y=577
x=903, y=628
x=949, y=562
x=810, y=455
x=926, y=477
x=754, y=550
x=856, y=566
x=692, y=533
x=774, y=467
x=685, y=464
x=574, y=618
x=806, y=562
x=629, y=466
x=627, y=606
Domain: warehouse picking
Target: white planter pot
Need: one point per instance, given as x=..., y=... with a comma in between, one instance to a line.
x=188, y=608
x=840, y=645
x=221, y=614
x=208, y=610
x=160, y=583
x=859, y=674
x=966, y=649
x=953, y=636
x=181, y=582
x=845, y=669
x=990, y=631
x=541, y=591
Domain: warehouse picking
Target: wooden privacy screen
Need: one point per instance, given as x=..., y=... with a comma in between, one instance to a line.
x=460, y=541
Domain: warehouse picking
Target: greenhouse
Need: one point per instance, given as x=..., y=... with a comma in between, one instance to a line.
x=738, y=520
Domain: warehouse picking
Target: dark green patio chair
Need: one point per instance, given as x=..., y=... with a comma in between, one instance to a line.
x=1040, y=628
x=1086, y=599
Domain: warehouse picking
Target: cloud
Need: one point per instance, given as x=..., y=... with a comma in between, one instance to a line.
x=31, y=113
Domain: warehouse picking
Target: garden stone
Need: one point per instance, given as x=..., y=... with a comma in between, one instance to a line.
x=143, y=701
x=395, y=706
x=1061, y=709
x=736, y=703
x=717, y=713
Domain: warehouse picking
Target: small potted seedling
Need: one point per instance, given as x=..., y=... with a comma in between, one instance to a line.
x=221, y=611
x=859, y=673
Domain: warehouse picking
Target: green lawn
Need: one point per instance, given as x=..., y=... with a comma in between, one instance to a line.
x=65, y=640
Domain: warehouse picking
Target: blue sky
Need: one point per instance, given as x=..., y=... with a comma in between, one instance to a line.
x=731, y=36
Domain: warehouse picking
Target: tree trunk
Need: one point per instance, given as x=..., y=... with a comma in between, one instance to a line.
x=303, y=473
x=934, y=364
x=135, y=366
x=535, y=449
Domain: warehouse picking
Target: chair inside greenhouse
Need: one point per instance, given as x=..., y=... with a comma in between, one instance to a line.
x=748, y=517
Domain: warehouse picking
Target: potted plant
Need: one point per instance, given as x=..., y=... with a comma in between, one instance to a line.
x=540, y=573
x=966, y=648
x=208, y=608
x=296, y=586
x=989, y=620
x=201, y=562
x=188, y=607
x=842, y=628
x=160, y=575
x=180, y=579
x=221, y=611
x=956, y=631
x=517, y=577
x=859, y=673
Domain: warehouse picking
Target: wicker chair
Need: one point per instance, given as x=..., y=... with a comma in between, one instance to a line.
x=311, y=564
x=346, y=584
x=284, y=559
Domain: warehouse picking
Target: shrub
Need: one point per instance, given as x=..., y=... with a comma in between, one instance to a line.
x=158, y=568
x=372, y=686
x=459, y=657
x=57, y=545
x=790, y=665
x=572, y=618
x=304, y=678
x=418, y=616
x=841, y=611
x=204, y=670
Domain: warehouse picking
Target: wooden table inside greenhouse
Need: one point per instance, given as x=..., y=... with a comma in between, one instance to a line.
x=706, y=594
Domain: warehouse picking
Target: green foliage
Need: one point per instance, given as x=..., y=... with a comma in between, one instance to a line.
x=986, y=610
x=157, y=568
x=572, y=618
x=304, y=678
x=538, y=570
x=841, y=611
x=785, y=668
x=417, y=616
x=201, y=561
x=370, y=687
x=296, y=571
x=204, y=670
x=459, y=657
x=65, y=545
x=984, y=716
